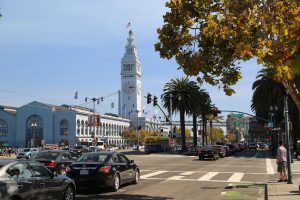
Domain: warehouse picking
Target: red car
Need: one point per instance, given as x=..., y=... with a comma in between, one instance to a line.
x=208, y=152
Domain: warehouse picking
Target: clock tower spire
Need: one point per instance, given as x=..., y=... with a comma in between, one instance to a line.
x=131, y=99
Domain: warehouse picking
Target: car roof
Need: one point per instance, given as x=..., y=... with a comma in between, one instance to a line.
x=54, y=151
x=102, y=153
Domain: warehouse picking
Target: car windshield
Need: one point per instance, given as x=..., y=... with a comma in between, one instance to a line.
x=93, y=158
x=47, y=155
x=26, y=150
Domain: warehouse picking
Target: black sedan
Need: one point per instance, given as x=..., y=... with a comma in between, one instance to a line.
x=56, y=160
x=103, y=169
x=24, y=180
x=208, y=151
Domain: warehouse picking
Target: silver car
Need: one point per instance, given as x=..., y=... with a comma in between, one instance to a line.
x=27, y=153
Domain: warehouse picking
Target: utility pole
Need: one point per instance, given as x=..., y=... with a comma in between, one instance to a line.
x=137, y=130
x=287, y=140
x=94, y=118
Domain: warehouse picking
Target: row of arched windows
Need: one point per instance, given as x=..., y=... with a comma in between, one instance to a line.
x=106, y=129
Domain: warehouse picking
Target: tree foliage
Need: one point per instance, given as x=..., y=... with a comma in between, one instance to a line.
x=217, y=134
x=208, y=38
x=231, y=137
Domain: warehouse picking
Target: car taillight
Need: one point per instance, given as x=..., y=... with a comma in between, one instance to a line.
x=51, y=164
x=105, y=169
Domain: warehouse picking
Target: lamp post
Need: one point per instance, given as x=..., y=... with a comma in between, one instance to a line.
x=94, y=99
x=33, y=126
x=274, y=132
x=287, y=138
x=137, y=130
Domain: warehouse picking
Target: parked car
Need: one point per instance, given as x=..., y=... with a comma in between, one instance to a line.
x=220, y=149
x=208, y=152
x=27, y=180
x=227, y=150
x=56, y=160
x=27, y=153
x=252, y=146
x=80, y=149
x=103, y=169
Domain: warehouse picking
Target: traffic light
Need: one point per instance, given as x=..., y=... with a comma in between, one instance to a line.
x=154, y=100
x=270, y=138
x=215, y=111
x=148, y=98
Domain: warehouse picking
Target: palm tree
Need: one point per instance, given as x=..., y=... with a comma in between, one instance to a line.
x=267, y=92
x=183, y=92
x=199, y=108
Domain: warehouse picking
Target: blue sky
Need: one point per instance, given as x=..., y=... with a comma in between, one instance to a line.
x=52, y=48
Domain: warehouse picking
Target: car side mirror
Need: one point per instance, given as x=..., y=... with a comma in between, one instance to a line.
x=131, y=161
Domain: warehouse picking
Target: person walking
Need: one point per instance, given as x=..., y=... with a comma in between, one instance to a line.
x=281, y=162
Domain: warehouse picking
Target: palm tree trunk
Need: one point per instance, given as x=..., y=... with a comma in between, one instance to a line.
x=182, y=127
x=195, y=130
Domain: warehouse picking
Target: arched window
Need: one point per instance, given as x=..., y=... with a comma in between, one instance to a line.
x=34, y=131
x=64, y=127
x=3, y=128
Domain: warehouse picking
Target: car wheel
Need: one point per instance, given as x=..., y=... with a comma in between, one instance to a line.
x=136, y=177
x=116, y=183
x=69, y=193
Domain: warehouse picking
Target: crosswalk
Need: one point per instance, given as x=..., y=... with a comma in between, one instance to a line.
x=225, y=177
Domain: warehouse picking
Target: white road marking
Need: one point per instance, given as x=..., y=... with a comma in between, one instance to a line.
x=186, y=173
x=207, y=176
x=270, y=169
x=153, y=174
x=236, y=177
x=175, y=177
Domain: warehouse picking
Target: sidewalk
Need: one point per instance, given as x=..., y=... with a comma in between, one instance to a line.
x=282, y=190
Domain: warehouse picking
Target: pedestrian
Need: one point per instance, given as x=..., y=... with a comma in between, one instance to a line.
x=281, y=162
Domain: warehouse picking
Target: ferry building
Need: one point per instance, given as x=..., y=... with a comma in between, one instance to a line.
x=39, y=123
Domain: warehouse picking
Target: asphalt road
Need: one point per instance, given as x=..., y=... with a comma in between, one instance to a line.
x=185, y=177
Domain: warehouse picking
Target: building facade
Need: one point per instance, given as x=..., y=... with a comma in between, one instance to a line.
x=36, y=124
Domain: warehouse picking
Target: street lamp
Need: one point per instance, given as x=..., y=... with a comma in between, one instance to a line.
x=94, y=116
x=273, y=111
x=137, y=129
x=287, y=140
x=33, y=126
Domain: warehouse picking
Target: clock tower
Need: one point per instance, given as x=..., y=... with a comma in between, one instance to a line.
x=131, y=99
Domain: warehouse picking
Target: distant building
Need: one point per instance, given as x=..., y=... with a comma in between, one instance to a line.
x=36, y=124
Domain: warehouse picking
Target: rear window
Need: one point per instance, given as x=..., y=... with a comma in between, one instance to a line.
x=47, y=155
x=26, y=150
x=93, y=158
x=207, y=148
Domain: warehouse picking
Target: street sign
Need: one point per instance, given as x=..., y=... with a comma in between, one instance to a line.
x=270, y=125
x=239, y=115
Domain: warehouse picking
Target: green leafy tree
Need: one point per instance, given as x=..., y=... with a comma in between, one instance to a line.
x=208, y=38
x=231, y=137
x=183, y=92
x=217, y=134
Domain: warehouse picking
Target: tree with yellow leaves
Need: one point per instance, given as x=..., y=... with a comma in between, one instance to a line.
x=208, y=38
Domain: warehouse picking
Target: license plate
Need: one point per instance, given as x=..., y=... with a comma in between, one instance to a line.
x=84, y=172
x=205, y=155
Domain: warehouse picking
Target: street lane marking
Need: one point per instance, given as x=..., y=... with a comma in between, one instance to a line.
x=270, y=169
x=236, y=177
x=175, y=177
x=175, y=171
x=186, y=173
x=153, y=174
x=207, y=176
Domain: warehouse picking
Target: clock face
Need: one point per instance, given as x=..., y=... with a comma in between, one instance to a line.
x=128, y=88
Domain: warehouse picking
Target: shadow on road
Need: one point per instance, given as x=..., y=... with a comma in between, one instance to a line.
x=94, y=196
